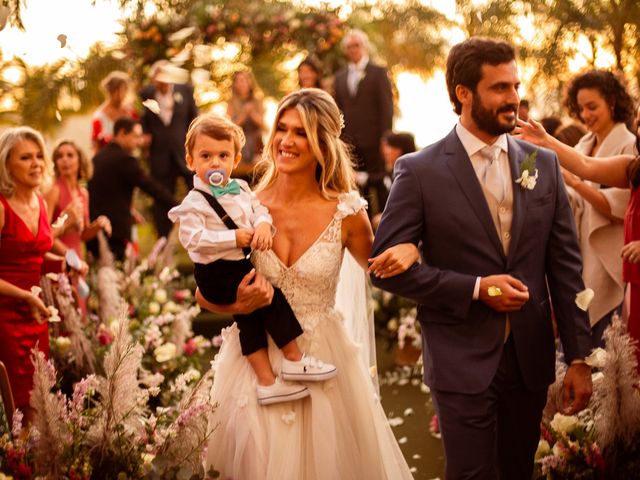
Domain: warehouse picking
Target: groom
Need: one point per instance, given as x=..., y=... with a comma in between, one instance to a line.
x=497, y=255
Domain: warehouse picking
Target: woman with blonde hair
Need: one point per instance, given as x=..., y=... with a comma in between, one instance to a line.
x=340, y=430
x=115, y=86
x=26, y=236
x=67, y=196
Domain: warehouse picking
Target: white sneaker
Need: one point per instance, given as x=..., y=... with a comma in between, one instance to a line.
x=308, y=369
x=280, y=392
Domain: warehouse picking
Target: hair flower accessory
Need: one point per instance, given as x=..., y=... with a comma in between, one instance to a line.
x=528, y=172
x=350, y=203
x=341, y=122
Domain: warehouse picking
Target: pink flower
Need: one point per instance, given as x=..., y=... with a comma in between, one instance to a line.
x=190, y=347
x=105, y=337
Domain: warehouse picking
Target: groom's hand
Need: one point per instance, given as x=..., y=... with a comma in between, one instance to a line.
x=513, y=293
x=576, y=388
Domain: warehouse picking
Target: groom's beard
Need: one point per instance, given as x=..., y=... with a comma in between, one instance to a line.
x=488, y=121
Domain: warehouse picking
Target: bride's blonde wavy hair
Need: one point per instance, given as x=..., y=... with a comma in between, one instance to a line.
x=322, y=123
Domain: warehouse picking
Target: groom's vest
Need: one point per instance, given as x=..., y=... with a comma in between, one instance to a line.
x=501, y=213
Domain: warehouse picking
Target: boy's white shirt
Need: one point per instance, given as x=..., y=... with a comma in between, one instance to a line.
x=201, y=231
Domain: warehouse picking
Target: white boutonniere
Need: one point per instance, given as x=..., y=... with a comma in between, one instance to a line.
x=177, y=97
x=528, y=172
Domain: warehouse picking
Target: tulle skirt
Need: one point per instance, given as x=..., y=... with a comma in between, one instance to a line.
x=339, y=432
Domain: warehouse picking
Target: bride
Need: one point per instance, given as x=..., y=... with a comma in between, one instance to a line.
x=340, y=430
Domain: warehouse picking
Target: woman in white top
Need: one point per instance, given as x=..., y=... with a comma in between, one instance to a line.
x=599, y=99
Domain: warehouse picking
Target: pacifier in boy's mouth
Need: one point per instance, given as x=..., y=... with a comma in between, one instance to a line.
x=215, y=177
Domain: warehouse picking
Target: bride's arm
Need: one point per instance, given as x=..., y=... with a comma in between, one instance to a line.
x=610, y=171
x=250, y=296
x=359, y=238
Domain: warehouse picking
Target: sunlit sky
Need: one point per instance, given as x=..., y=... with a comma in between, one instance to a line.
x=424, y=106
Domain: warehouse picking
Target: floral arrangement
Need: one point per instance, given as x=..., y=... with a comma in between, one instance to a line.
x=603, y=440
x=395, y=319
x=107, y=428
x=568, y=448
x=269, y=26
x=160, y=308
x=151, y=40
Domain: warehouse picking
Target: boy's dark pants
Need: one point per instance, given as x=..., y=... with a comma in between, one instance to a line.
x=218, y=283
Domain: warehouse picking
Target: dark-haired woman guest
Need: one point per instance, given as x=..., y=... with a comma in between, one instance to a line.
x=309, y=74
x=599, y=99
x=622, y=171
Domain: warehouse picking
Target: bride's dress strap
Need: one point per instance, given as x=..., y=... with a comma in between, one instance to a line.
x=350, y=203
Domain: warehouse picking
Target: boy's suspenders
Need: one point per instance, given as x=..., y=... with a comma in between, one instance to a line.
x=222, y=213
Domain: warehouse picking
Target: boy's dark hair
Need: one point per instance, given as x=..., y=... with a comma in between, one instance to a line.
x=465, y=60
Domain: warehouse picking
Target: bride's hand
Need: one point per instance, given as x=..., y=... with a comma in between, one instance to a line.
x=249, y=297
x=394, y=260
x=532, y=132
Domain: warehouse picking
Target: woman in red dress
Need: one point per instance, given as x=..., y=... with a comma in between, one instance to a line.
x=622, y=171
x=25, y=237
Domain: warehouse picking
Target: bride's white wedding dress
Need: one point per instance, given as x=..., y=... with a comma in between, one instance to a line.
x=339, y=432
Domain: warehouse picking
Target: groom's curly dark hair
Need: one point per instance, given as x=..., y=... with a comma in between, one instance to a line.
x=465, y=60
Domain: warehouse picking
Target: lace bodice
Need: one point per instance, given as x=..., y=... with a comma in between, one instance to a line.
x=310, y=283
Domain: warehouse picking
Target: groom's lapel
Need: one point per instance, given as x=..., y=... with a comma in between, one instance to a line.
x=460, y=165
x=520, y=195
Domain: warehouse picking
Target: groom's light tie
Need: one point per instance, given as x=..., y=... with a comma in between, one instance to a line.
x=493, y=181
x=492, y=173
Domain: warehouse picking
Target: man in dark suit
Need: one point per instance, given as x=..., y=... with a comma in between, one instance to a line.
x=499, y=249
x=363, y=93
x=165, y=124
x=116, y=174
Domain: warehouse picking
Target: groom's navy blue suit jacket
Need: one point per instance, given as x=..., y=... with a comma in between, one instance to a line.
x=436, y=199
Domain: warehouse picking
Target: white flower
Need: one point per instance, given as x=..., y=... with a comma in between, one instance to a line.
x=154, y=308
x=597, y=358
x=165, y=275
x=543, y=450
x=52, y=276
x=351, y=203
x=62, y=344
x=289, y=417
x=35, y=291
x=165, y=352
x=181, y=34
x=392, y=325
x=170, y=307
x=193, y=375
x=54, y=318
x=59, y=223
x=528, y=181
x=564, y=423
x=160, y=295
x=583, y=299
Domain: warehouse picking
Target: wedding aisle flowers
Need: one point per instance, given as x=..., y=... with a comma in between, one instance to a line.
x=107, y=427
x=602, y=441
